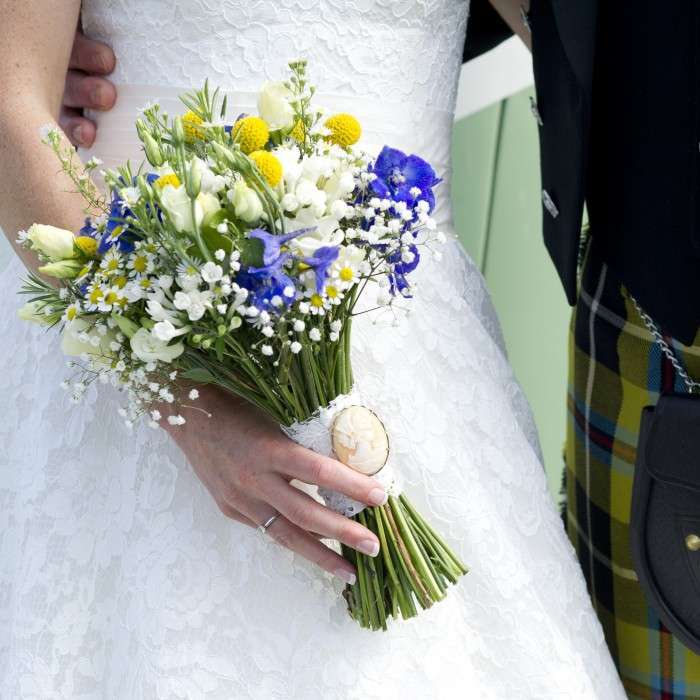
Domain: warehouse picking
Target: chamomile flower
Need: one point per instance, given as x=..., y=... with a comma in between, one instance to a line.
x=112, y=261
x=140, y=262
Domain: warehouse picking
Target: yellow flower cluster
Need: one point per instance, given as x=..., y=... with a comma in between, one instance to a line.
x=251, y=134
x=170, y=179
x=298, y=132
x=344, y=129
x=268, y=165
x=190, y=124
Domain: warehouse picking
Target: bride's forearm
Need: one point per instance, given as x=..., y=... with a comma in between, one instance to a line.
x=36, y=37
x=32, y=187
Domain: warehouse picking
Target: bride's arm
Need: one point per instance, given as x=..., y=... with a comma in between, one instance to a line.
x=36, y=37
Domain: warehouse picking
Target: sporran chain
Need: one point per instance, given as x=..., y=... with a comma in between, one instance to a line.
x=666, y=349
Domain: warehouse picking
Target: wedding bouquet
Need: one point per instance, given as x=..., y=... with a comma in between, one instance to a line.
x=237, y=258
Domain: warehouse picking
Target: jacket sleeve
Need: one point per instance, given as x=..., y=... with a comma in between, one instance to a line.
x=485, y=30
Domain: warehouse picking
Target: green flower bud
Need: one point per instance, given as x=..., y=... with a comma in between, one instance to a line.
x=193, y=180
x=222, y=329
x=62, y=269
x=178, y=131
x=196, y=339
x=206, y=343
x=153, y=152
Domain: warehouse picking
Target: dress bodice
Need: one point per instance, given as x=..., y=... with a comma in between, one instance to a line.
x=399, y=51
x=393, y=63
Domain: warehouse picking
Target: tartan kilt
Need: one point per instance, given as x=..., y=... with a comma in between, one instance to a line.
x=615, y=369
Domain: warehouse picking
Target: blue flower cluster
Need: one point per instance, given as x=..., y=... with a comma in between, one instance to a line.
x=273, y=278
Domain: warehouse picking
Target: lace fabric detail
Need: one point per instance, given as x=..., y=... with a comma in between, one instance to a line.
x=403, y=51
x=119, y=577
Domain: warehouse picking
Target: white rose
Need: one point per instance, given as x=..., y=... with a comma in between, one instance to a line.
x=246, y=202
x=324, y=233
x=177, y=204
x=54, y=243
x=209, y=203
x=148, y=348
x=274, y=106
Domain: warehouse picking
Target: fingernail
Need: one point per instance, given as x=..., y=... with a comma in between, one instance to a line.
x=96, y=96
x=369, y=547
x=378, y=497
x=345, y=575
x=78, y=134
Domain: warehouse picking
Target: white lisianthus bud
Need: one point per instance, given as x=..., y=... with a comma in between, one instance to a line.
x=54, y=243
x=62, y=269
x=299, y=325
x=274, y=106
x=166, y=331
x=246, y=202
x=178, y=205
x=315, y=334
x=33, y=311
x=267, y=350
x=295, y=347
x=147, y=347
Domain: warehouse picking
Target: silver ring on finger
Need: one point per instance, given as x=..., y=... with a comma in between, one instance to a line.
x=262, y=529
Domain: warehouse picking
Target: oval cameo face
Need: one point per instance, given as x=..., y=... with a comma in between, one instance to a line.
x=360, y=440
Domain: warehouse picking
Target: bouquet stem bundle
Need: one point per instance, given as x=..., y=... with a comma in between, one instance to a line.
x=415, y=566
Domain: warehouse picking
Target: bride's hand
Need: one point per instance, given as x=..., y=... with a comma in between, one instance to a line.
x=246, y=463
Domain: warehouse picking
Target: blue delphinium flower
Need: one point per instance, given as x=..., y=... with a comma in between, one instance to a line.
x=397, y=278
x=399, y=175
x=265, y=283
x=270, y=279
x=272, y=244
x=320, y=262
x=117, y=231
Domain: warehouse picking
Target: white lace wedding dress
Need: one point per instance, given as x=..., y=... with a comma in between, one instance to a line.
x=120, y=579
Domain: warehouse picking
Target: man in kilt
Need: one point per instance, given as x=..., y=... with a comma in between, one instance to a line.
x=618, y=112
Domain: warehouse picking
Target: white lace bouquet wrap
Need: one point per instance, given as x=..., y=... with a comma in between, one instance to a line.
x=236, y=257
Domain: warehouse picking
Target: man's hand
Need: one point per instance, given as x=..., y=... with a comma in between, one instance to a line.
x=86, y=88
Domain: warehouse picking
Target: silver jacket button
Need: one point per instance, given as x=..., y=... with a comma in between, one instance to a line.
x=525, y=18
x=535, y=111
x=549, y=204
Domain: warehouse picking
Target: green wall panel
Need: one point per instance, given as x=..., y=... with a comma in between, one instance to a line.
x=475, y=146
x=519, y=273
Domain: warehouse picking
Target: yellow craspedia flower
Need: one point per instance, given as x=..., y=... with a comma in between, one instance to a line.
x=170, y=179
x=298, y=133
x=345, y=129
x=251, y=134
x=87, y=245
x=191, y=123
x=269, y=166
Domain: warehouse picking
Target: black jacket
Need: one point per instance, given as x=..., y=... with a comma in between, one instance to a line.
x=640, y=177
